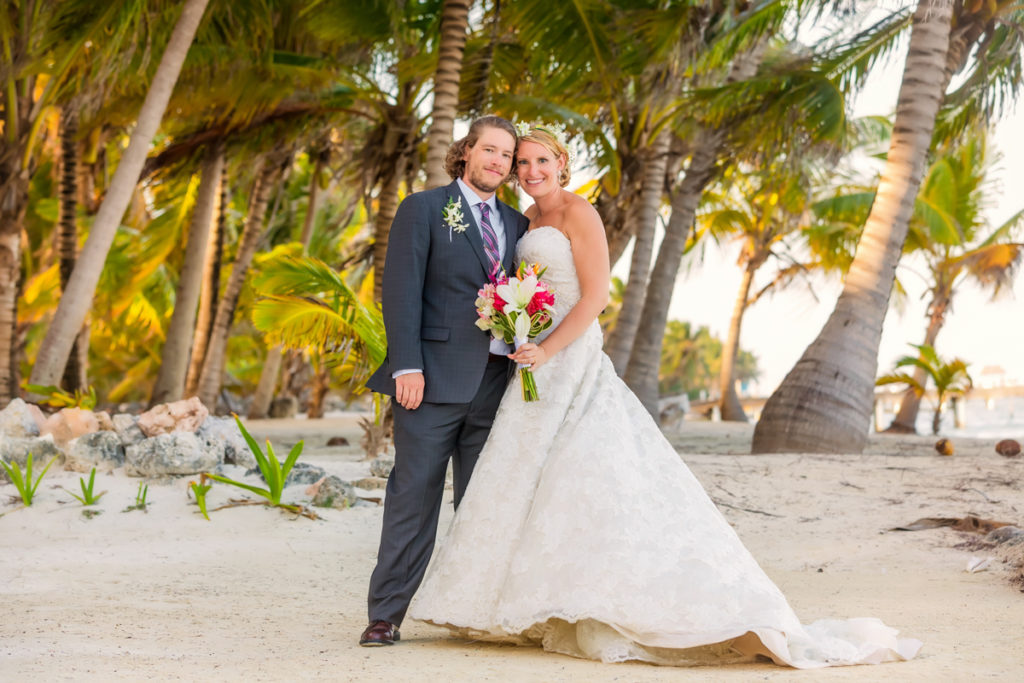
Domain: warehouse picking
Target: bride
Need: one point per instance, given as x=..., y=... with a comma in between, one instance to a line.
x=582, y=530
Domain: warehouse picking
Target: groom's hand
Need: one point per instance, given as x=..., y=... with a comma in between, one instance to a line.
x=409, y=390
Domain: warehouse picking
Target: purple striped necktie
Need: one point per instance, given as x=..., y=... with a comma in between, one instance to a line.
x=490, y=239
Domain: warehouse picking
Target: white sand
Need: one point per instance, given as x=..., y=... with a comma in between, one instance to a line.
x=258, y=595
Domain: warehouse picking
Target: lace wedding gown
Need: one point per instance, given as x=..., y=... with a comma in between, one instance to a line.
x=583, y=531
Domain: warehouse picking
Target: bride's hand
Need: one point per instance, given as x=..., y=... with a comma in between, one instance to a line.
x=530, y=354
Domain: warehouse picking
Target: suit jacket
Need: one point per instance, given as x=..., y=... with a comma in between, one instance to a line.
x=431, y=278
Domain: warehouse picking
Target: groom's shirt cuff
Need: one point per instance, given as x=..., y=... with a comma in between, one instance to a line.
x=398, y=373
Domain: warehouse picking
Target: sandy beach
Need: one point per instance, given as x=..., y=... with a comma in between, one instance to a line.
x=257, y=594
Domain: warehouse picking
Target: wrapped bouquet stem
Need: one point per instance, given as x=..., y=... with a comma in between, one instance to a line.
x=516, y=309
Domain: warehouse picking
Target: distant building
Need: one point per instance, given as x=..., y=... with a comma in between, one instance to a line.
x=991, y=377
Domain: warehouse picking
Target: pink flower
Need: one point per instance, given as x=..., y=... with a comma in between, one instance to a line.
x=541, y=300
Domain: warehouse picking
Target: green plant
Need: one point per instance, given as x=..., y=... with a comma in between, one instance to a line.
x=140, y=499
x=87, y=497
x=199, y=491
x=950, y=378
x=274, y=471
x=60, y=398
x=23, y=482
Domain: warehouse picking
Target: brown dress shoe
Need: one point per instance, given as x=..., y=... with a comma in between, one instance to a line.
x=379, y=633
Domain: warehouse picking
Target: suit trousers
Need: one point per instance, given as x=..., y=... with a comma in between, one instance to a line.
x=425, y=439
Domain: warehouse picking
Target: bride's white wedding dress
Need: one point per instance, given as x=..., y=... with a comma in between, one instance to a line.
x=583, y=531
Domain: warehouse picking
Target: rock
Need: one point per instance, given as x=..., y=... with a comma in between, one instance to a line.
x=222, y=433
x=102, y=450
x=1006, y=534
x=173, y=453
x=16, y=449
x=105, y=423
x=180, y=416
x=1008, y=448
x=284, y=406
x=381, y=466
x=944, y=447
x=127, y=428
x=332, y=492
x=370, y=483
x=19, y=420
x=70, y=423
x=337, y=441
x=301, y=473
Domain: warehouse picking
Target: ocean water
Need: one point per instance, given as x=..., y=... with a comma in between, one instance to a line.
x=1003, y=418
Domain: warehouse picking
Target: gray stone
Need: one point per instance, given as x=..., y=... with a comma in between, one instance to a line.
x=102, y=450
x=16, y=449
x=301, y=473
x=381, y=466
x=222, y=433
x=174, y=453
x=1010, y=535
x=370, y=483
x=332, y=492
x=127, y=428
x=17, y=420
x=284, y=406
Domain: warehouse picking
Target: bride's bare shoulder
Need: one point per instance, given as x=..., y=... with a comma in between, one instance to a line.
x=581, y=215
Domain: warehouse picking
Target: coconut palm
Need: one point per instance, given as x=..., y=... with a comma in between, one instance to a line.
x=950, y=378
x=74, y=306
x=170, y=382
x=454, y=21
x=949, y=232
x=824, y=403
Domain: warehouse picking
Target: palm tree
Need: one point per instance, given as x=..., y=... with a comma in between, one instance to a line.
x=950, y=378
x=74, y=306
x=454, y=21
x=170, y=382
x=266, y=181
x=824, y=403
x=762, y=209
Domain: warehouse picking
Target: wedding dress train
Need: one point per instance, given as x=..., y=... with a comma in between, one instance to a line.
x=583, y=531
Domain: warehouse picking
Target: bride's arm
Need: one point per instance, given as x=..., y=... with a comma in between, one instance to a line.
x=586, y=234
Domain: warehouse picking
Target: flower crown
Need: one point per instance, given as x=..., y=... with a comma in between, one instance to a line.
x=555, y=130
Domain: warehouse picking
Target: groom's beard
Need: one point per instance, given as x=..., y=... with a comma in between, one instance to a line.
x=482, y=180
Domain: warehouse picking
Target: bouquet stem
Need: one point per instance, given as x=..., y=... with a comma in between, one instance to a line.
x=529, y=385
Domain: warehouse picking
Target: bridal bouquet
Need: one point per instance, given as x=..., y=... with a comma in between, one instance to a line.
x=516, y=309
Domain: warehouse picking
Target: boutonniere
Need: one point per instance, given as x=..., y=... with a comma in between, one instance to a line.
x=453, y=217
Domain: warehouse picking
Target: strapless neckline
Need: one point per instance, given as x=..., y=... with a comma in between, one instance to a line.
x=550, y=227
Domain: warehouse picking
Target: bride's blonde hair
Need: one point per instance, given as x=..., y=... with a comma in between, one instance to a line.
x=549, y=141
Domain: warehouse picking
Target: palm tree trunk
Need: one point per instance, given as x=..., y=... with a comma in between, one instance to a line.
x=824, y=403
x=211, y=376
x=170, y=382
x=642, y=369
x=387, y=205
x=620, y=344
x=12, y=214
x=209, y=290
x=729, y=403
x=77, y=299
x=910, y=405
x=318, y=390
x=67, y=241
x=454, y=21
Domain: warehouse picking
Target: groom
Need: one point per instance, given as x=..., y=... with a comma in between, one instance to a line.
x=445, y=374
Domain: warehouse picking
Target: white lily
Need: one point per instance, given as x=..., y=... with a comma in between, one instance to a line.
x=518, y=293
x=522, y=327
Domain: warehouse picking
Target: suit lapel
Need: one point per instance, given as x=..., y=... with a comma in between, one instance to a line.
x=472, y=233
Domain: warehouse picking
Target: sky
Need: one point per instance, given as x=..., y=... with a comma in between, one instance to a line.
x=777, y=329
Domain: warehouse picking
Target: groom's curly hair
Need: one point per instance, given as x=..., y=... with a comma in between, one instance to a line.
x=454, y=164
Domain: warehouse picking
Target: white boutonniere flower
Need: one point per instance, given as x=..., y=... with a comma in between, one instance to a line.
x=453, y=217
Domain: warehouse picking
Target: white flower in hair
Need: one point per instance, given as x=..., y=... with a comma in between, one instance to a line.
x=555, y=130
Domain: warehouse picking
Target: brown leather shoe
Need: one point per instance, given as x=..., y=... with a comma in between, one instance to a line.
x=379, y=633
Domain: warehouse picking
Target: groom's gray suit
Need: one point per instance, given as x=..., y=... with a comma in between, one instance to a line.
x=431, y=277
